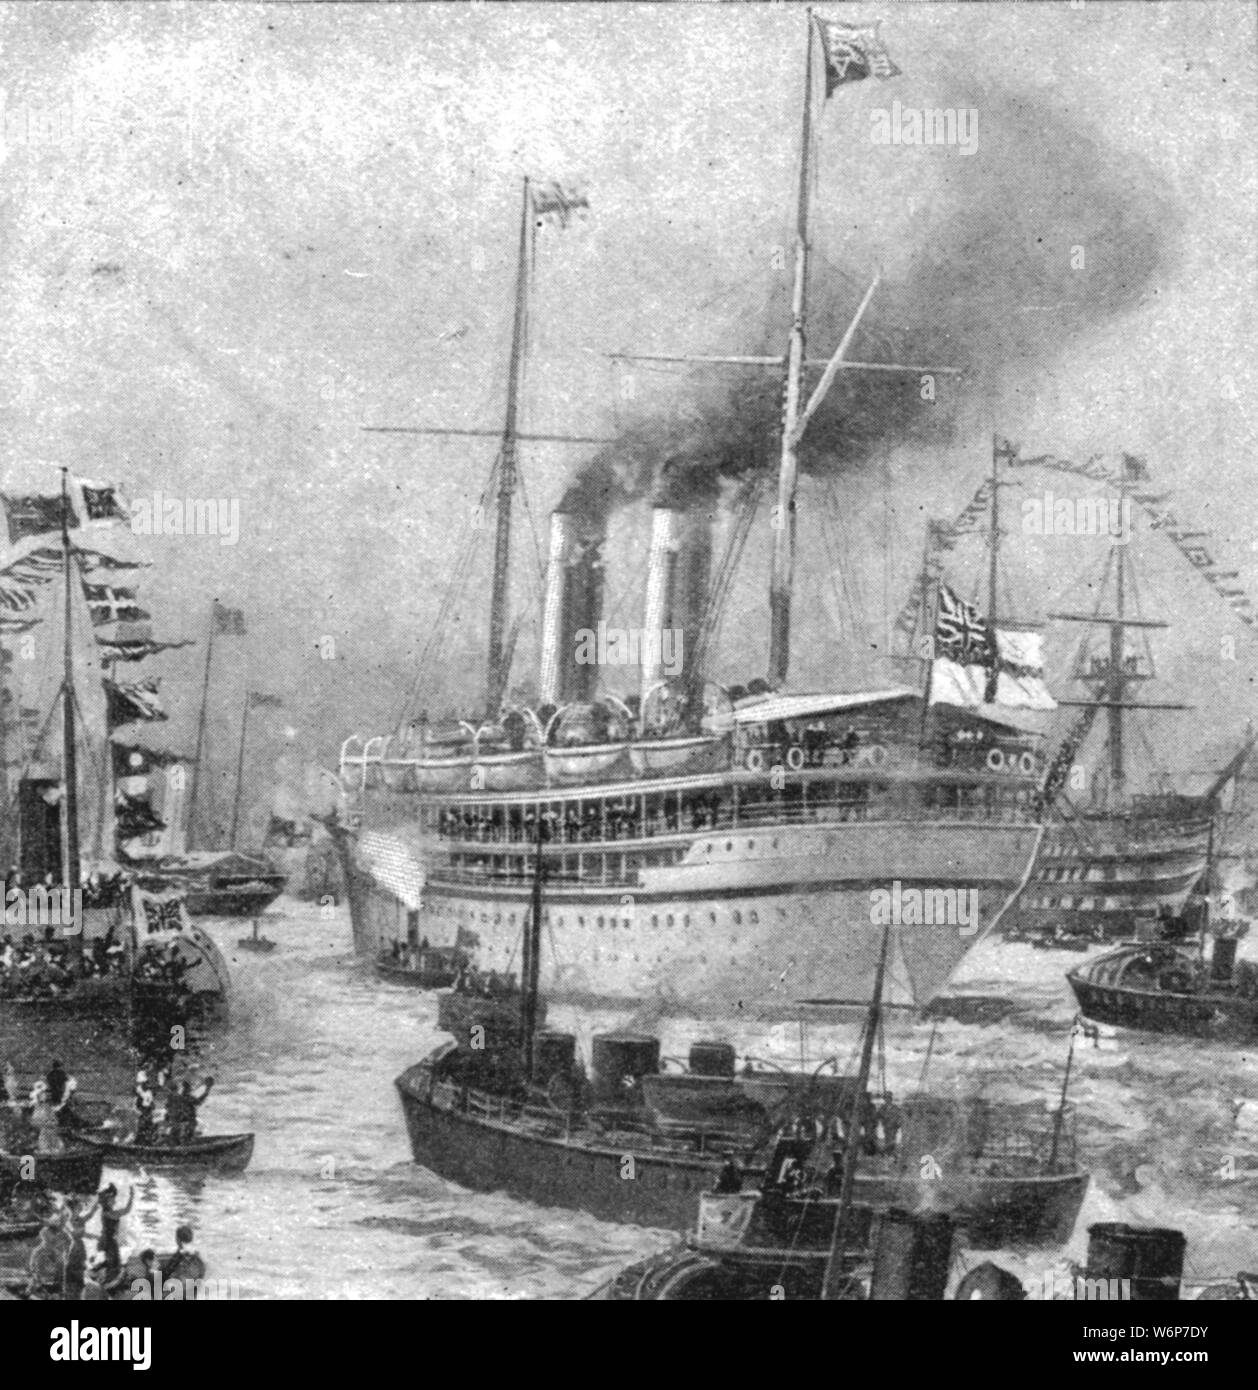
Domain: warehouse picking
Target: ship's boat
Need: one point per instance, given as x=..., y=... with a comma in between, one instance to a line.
x=584, y=763
x=497, y=771
x=224, y=1153
x=684, y=753
x=1164, y=987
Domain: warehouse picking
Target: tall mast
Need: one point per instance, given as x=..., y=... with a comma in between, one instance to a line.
x=240, y=769
x=69, y=751
x=994, y=556
x=832, y=1282
x=993, y=565
x=788, y=468
x=1116, y=685
x=196, y=757
x=495, y=676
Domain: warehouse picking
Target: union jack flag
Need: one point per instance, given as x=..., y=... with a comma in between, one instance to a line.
x=962, y=634
x=163, y=914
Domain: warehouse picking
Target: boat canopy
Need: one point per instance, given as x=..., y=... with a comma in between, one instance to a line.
x=768, y=709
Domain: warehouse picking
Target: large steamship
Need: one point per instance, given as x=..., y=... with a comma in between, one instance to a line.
x=706, y=849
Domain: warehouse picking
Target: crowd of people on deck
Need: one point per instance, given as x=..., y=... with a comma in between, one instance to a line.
x=162, y=964
x=620, y=819
x=799, y=1165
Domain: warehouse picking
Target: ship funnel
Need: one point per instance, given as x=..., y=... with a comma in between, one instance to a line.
x=582, y=613
x=676, y=594
x=1151, y=1258
x=912, y=1256
x=548, y=680
x=573, y=605
x=660, y=582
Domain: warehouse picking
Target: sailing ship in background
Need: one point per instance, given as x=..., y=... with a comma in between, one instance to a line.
x=710, y=849
x=68, y=816
x=1128, y=853
x=1132, y=854
x=222, y=882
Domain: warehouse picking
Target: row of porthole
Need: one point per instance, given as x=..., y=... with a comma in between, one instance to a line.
x=729, y=845
x=601, y=923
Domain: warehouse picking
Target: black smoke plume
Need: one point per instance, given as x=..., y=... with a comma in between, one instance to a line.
x=993, y=286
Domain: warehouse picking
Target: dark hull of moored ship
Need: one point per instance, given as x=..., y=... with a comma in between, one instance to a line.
x=492, y=1152
x=491, y=1145
x=1103, y=877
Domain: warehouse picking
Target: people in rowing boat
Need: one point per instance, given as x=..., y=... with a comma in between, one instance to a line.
x=76, y=1220
x=61, y=1088
x=186, y=1263
x=47, y=1266
x=46, y=1117
x=181, y=1111
x=138, y=1270
x=145, y=1101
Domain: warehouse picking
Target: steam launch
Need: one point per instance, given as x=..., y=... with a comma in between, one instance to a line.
x=708, y=848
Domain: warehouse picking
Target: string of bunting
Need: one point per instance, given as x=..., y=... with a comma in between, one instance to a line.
x=1188, y=541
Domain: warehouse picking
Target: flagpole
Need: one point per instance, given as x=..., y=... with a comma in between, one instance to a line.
x=928, y=631
x=196, y=759
x=240, y=768
x=993, y=670
x=783, y=575
x=495, y=676
x=8, y=848
x=69, y=749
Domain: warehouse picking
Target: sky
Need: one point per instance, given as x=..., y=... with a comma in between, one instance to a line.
x=234, y=235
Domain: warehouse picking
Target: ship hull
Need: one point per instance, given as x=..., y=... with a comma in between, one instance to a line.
x=1116, y=989
x=492, y=1154
x=754, y=921
x=1100, y=878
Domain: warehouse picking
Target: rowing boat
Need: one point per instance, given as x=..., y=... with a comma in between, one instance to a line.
x=228, y=1153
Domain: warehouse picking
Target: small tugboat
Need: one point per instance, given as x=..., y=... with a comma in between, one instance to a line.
x=1167, y=987
x=508, y=1107
x=424, y=966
